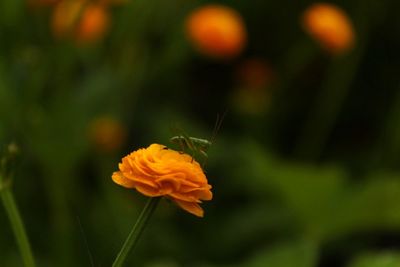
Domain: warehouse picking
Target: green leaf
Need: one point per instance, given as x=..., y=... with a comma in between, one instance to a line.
x=381, y=259
x=299, y=254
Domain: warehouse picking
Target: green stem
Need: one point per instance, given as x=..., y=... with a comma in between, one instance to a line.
x=329, y=103
x=136, y=231
x=334, y=92
x=17, y=225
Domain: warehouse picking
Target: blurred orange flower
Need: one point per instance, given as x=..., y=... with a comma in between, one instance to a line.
x=330, y=26
x=159, y=171
x=217, y=31
x=81, y=20
x=254, y=73
x=253, y=93
x=94, y=23
x=107, y=134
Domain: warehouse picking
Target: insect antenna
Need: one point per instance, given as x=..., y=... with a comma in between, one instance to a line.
x=217, y=126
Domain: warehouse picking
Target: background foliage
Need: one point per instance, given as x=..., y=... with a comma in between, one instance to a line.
x=309, y=179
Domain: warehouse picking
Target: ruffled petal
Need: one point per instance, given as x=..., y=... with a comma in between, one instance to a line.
x=118, y=178
x=148, y=190
x=190, y=207
x=184, y=197
x=157, y=171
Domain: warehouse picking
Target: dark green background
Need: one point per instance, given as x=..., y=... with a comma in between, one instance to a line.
x=312, y=181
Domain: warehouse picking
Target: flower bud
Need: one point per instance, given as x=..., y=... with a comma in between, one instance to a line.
x=329, y=26
x=217, y=31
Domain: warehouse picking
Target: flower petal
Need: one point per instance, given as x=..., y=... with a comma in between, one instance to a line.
x=148, y=190
x=190, y=207
x=120, y=179
x=157, y=171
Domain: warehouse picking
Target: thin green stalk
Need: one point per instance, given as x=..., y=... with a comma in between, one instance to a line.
x=329, y=103
x=17, y=225
x=334, y=92
x=387, y=148
x=136, y=231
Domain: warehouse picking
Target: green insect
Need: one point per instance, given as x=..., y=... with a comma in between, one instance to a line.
x=197, y=146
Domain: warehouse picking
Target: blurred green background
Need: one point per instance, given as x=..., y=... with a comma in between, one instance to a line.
x=304, y=173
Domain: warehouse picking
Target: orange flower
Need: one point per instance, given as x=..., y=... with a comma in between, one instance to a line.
x=65, y=16
x=107, y=133
x=94, y=23
x=255, y=73
x=158, y=171
x=330, y=26
x=217, y=31
x=80, y=20
x=253, y=93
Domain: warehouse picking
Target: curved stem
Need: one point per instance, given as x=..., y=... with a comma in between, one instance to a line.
x=136, y=231
x=334, y=92
x=17, y=226
x=330, y=101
